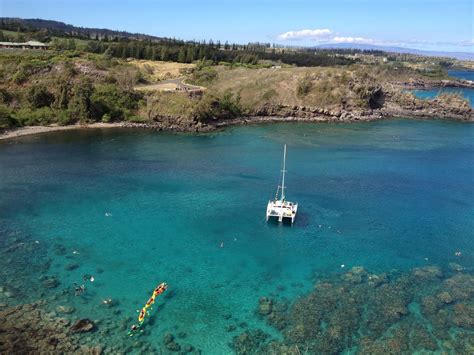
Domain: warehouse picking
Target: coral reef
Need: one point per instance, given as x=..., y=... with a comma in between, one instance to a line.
x=425, y=309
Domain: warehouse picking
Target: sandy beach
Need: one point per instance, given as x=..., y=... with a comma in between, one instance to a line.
x=26, y=131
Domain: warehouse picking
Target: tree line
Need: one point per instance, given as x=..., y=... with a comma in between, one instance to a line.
x=125, y=45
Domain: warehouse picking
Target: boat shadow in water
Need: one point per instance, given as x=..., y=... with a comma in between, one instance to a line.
x=302, y=221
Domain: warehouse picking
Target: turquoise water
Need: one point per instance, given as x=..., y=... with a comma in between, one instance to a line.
x=460, y=74
x=134, y=208
x=433, y=93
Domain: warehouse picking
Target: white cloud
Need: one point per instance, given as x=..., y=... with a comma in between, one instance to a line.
x=351, y=40
x=321, y=35
x=325, y=35
x=315, y=35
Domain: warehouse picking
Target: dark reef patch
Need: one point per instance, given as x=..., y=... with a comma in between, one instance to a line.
x=424, y=309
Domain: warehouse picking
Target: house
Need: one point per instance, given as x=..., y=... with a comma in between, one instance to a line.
x=25, y=45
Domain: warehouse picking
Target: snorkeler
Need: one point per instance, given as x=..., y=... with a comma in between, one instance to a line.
x=78, y=290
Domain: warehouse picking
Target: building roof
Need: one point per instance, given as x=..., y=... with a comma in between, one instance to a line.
x=29, y=43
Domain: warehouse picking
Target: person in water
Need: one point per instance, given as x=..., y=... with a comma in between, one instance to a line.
x=78, y=290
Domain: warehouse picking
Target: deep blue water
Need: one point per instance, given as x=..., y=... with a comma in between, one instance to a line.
x=384, y=195
x=462, y=74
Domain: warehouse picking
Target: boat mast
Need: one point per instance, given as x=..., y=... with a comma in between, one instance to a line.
x=283, y=178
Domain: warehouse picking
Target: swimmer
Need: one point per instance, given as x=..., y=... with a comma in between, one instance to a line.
x=222, y=244
x=78, y=290
x=458, y=253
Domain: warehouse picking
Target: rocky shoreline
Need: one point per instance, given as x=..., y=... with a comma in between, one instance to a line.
x=393, y=103
x=434, y=84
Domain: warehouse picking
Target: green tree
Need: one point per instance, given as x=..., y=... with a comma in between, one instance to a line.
x=80, y=105
x=182, y=55
x=190, y=55
x=164, y=53
x=39, y=96
x=6, y=118
x=63, y=90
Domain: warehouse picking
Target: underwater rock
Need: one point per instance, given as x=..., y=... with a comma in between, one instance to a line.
x=427, y=273
x=243, y=325
x=356, y=275
x=49, y=282
x=445, y=297
x=455, y=267
x=182, y=335
x=275, y=347
x=230, y=328
x=82, y=326
x=265, y=306
x=277, y=320
x=168, y=338
x=421, y=339
x=460, y=287
x=65, y=309
x=187, y=348
x=70, y=267
x=464, y=315
x=249, y=342
x=28, y=329
x=429, y=305
x=173, y=346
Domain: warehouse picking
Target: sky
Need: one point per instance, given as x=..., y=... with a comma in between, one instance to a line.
x=445, y=25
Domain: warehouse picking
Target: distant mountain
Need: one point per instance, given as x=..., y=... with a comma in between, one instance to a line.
x=361, y=46
x=58, y=27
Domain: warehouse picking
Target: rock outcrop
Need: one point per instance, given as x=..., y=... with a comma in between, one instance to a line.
x=29, y=329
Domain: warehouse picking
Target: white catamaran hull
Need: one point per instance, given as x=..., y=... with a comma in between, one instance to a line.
x=282, y=210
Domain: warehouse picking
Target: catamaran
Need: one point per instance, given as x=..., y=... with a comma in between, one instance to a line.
x=279, y=207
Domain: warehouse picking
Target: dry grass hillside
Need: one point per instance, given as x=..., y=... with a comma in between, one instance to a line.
x=154, y=71
x=323, y=87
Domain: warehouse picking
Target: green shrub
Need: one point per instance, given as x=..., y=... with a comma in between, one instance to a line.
x=229, y=105
x=39, y=96
x=20, y=76
x=269, y=94
x=304, y=86
x=6, y=118
x=80, y=106
x=5, y=96
x=37, y=117
x=106, y=118
x=64, y=118
x=204, y=75
x=111, y=100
